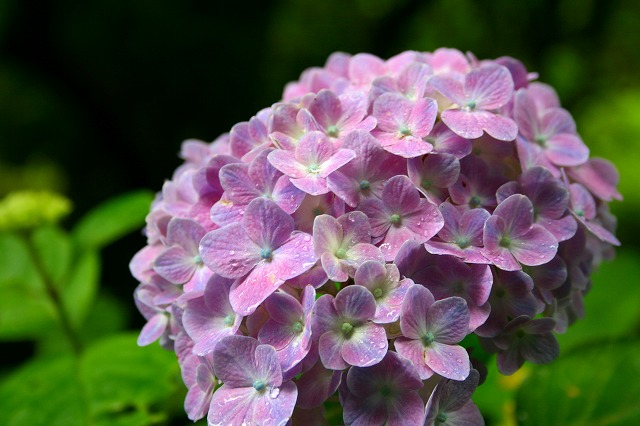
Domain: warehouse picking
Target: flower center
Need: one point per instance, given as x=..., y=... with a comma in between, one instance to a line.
x=474, y=202
x=333, y=131
x=505, y=241
x=500, y=293
x=364, y=185
x=471, y=105
x=258, y=385
x=541, y=140
x=197, y=260
x=229, y=320
x=405, y=131
x=266, y=254
x=395, y=219
x=442, y=417
x=297, y=326
x=462, y=242
x=347, y=329
x=314, y=169
x=377, y=293
x=317, y=211
x=341, y=253
x=428, y=338
x=426, y=184
x=385, y=390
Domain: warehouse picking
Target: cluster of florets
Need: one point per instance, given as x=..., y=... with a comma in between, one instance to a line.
x=348, y=238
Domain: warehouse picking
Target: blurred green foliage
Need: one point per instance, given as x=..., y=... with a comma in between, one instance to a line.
x=96, y=97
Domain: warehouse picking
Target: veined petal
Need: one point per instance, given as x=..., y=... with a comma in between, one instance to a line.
x=229, y=251
x=249, y=292
x=448, y=361
x=266, y=224
x=367, y=346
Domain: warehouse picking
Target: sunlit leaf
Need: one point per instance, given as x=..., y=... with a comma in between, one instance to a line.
x=14, y=258
x=496, y=396
x=121, y=378
x=607, y=314
x=43, y=392
x=597, y=387
x=80, y=291
x=53, y=248
x=113, y=219
x=25, y=313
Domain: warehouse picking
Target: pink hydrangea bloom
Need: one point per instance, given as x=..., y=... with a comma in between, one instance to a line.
x=341, y=243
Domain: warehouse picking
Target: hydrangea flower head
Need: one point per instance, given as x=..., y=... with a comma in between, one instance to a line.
x=340, y=244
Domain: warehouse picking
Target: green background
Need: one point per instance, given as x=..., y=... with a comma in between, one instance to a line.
x=96, y=96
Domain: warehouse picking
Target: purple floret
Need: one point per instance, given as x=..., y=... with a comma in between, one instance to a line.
x=253, y=391
x=384, y=394
x=511, y=238
x=346, y=334
x=383, y=281
x=288, y=329
x=343, y=244
x=451, y=404
x=312, y=161
x=484, y=89
x=261, y=251
x=401, y=215
x=430, y=331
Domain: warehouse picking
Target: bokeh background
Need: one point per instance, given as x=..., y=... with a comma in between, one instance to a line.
x=96, y=97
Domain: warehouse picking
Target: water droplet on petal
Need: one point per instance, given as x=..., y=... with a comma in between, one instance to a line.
x=274, y=393
x=231, y=252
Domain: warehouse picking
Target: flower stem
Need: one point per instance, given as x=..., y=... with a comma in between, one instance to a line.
x=54, y=296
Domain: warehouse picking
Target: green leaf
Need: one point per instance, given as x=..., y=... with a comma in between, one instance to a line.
x=607, y=315
x=496, y=396
x=114, y=382
x=54, y=250
x=596, y=387
x=25, y=314
x=25, y=309
x=14, y=258
x=113, y=219
x=80, y=291
x=108, y=315
x=43, y=392
x=122, y=378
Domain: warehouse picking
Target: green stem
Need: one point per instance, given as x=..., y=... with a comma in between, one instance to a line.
x=54, y=295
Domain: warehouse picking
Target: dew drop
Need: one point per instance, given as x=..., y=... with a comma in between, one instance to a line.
x=459, y=361
x=381, y=345
x=231, y=252
x=274, y=393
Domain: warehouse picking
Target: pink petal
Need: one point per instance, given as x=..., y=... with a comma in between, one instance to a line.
x=286, y=162
x=565, y=149
x=229, y=251
x=536, y=247
x=266, y=223
x=175, y=265
x=153, y=329
x=248, y=293
x=448, y=361
x=413, y=350
x=490, y=86
x=367, y=346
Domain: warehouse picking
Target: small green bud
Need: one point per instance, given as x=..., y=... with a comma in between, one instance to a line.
x=23, y=210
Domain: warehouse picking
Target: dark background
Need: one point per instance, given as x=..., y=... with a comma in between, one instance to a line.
x=96, y=96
